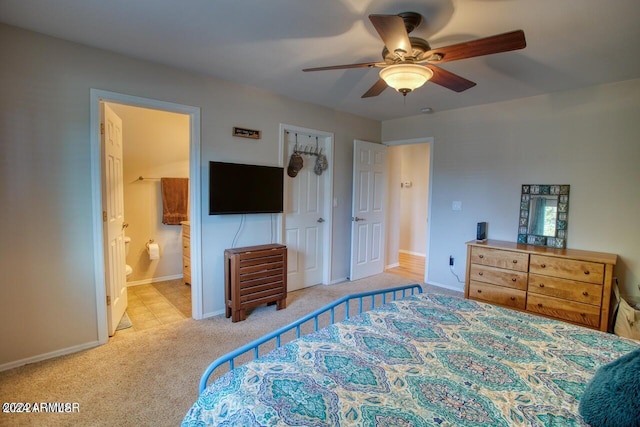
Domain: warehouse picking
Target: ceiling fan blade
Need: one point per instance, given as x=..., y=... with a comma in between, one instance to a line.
x=449, y=80
x=486, y=46
x=376, y=89
x=392, y=31
x=345, y=67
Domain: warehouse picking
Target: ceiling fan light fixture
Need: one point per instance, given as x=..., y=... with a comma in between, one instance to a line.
x=405, y=77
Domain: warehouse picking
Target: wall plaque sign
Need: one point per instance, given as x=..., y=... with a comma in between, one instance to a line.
x=246, y=133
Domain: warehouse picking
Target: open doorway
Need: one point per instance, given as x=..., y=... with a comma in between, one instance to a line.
x=130, y=106
x=155, y=145
x=409, y=183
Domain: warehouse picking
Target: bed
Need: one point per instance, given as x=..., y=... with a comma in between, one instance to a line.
x=422, y=360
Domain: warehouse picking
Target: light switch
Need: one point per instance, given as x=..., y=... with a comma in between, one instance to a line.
x=456, y=205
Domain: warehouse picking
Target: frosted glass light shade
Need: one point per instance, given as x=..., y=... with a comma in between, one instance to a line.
x=405, y=77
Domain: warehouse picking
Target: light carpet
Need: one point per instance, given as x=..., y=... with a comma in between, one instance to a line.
x=150, y=378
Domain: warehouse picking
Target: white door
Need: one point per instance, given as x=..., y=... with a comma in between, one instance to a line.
x=113, y=217
x=304, y=221
x=368, y=209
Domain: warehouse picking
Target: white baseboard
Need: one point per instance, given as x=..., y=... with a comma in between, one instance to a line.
x=154, y=280
x=402, y=251
x=451, y=288
x=50, y=355
x=213, y=313
x=394, y=265
x=336, y=281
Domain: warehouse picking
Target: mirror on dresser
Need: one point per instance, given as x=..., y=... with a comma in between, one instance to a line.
x=544, y=215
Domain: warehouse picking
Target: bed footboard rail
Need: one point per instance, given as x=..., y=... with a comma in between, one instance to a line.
x=392, y=294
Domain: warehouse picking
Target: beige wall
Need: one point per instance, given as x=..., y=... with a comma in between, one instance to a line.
x=48, y=281
x=587, y=138
x=155, y=144
x=413, y=200
x=407, y=206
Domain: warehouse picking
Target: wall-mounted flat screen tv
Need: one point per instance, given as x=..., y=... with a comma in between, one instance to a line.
x=236, y=188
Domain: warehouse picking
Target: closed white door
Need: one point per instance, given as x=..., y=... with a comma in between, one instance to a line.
x=368, y=209
x=304, y=221
x=113, y=217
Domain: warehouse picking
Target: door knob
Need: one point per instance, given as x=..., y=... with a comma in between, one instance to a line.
x=358, y=219
x=321, y=220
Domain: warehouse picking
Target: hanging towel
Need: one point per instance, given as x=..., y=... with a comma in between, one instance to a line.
x=175, y=200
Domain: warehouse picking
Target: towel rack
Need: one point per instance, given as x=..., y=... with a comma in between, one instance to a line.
x=142, y=178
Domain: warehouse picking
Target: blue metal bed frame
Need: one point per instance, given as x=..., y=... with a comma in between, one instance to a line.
x=229, y=358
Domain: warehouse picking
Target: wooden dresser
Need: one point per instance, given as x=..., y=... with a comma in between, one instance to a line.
x=254, y=275
x=186, y=252
x=565, y=284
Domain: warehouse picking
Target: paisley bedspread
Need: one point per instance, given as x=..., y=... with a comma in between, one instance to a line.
x=429, y=360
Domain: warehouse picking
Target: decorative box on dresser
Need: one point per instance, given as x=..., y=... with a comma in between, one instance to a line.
x=566, y=284
x=186, y=252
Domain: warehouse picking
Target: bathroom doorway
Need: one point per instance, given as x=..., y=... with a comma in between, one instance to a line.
x=160, y=140
x=155, y=144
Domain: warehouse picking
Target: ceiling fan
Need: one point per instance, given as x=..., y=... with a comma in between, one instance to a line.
x=409, y=62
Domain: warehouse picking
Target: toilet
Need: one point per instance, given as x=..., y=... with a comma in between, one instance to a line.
x=127, y=267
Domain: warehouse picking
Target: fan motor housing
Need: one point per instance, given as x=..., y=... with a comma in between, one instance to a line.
x=418, y=48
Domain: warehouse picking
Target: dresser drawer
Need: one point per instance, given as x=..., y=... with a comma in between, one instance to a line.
x=584, y=271
x=498, y=258
x=575, y=312
x=499, y=276
x=587, y=293
x=497, y=295
x=186, y=269
x=186, y=246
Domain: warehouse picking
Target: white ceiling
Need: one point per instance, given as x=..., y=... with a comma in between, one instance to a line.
x=266, y=43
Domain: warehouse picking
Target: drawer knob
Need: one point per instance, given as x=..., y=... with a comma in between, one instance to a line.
x=479, y=291
x=513, y=279
x=515, y=261
x=540, y=304
x=543, y=265
x=480, y=256
x=586, y=272
x=541, y=285
x=513, y=298
x=480, y=273
x=585, y=293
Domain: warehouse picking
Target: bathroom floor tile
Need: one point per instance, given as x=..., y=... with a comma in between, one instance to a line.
x=155, y=304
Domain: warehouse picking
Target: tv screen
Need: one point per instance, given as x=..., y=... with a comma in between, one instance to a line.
x=238, y=188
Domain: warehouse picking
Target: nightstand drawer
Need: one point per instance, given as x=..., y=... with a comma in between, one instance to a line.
x=497, y=295
x=499, y=276
x=498, y=258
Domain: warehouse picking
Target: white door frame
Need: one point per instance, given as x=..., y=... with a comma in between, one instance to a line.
x=328, y=193
x=97, y=96
x=430, y=141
